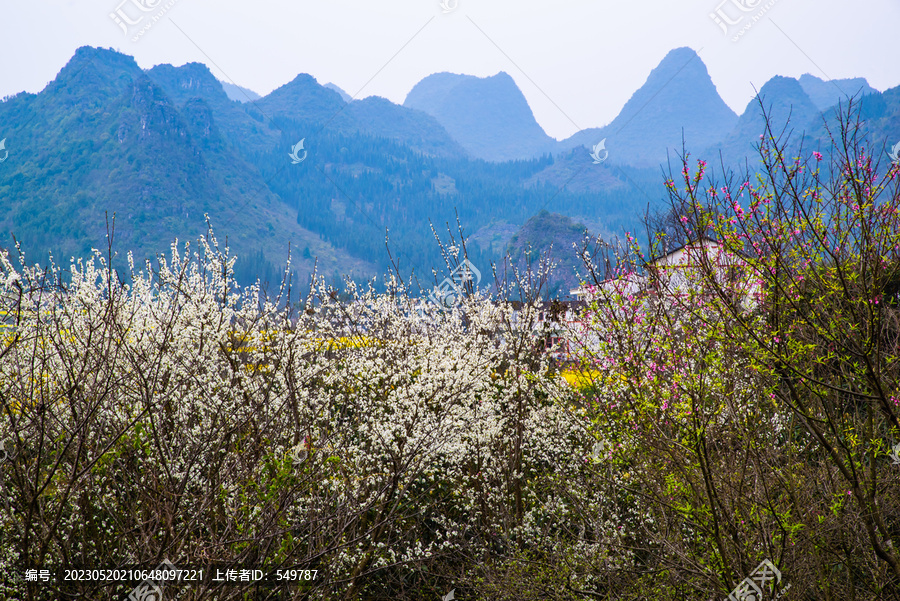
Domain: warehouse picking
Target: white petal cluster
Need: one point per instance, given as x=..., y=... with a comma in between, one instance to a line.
x=189, y=417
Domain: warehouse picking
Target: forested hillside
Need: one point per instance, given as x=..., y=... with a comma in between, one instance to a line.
x=160, y=149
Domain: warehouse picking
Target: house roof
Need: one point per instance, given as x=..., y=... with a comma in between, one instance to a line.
x=691, y=242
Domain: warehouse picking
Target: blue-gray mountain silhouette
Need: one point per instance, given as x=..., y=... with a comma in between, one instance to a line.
x=156, y=163
x=789, y=107
x=488, y=116
x=303, y=99
x=344, y=95
x=678, y=97
x=809, y=122
x=239, y=93
x=825, y=94
x=194, y=80
x=161, y=148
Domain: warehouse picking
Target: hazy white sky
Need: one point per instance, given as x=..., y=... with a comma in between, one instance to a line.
x=576, y=61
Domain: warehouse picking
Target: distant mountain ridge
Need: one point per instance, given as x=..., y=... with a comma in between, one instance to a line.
x=344, y=95
x=488, y=116
x=825, y=94
x=152, y=165
x=303, y=99
x=678, y=97
x=801, y=108
x=161, y=148
x=239, y=93
x=677, y=107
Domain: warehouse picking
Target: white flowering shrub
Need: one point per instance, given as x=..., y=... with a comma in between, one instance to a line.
x=399, y=450
x=168, y=413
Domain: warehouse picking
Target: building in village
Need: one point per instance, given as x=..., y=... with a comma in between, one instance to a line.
x=677, y=276
x=682, y=273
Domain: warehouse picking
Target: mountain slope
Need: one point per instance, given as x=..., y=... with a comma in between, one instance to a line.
x=488, y=116
x=130, y=152
x=238, y=124
x=344, y=95
x=304, y=100
x=162, y=148
x=788, y=107
x=378, y=116
x=556, y=236
x=825, y=94
x=239, y=93
x=879, y=114
x=258, y=128
x=678, y=96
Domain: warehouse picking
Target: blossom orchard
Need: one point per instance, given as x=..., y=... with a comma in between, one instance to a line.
x=764, y=428
x=168, y=412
